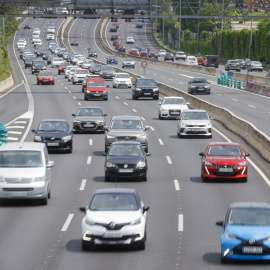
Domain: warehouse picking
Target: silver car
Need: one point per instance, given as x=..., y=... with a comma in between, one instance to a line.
x=126, y=128
x=128, y=62
x=89, y=119
x=114, y=216
x=25, y=171
x=171, y=107
x=194, y=123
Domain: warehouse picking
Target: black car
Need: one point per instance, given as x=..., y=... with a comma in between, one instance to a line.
x=89, y=119
x=199, y=86
x=113, y=29
x=121, y=48
x=112, y=59
x=113, y=19
x=211, y=61
x=168, y=56
x=114, y=37
x=139, y=25
x=126, y=159
x=56, y=134
x=107, y=72
x=27, y=26
x=74, y=42
x=152, y=54
x=92, y=53
x=95, y=69
x=145, y=87
x=38, y=65
x=28, y=61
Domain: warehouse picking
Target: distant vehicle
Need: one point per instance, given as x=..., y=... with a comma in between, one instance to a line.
x=171, y=107
x=45, y=77
x=92, y=53
x=143, y=53
x=194, y=123
x=51, y=29
x=113, y=29
x=191, y=61
x=255, y=66
x=168, y=56
x=107, y=72
x=89, y=119
x=111, y=59
x=134, y=52
x=87, y=63
x=128, y=62
x=152, y=54
x=200, y=60
x=211, y=61
x=62, y=67
x=232, y=65
x=224, y=160
x=122, y=80
x=56, y=134
x=79, y=75
x=161, y=53
x=96, y=89
x=139, y=25
x=114, y=37
x=50, y=36
x=95, y=69
x=56, y=61
x=27, y=26
x=38, y=65
x=180, y=55
x=130, y=40
x=242, y=63
x=145, y=87
x=74, y=42
x=116, y=24
x=126, y=205
x=199, y=86
x=121, y=48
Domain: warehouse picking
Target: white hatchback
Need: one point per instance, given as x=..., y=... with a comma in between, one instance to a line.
x=56, y=61
x=122, y=80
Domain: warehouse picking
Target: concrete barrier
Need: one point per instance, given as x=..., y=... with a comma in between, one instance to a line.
x=6, y=84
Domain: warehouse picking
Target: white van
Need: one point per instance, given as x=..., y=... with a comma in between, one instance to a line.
x=25, y=171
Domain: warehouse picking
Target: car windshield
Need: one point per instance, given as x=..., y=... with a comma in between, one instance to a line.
x=96, y=84
x=53, y=126
x=249, y=216
x=126, y=124
x=45, y=73
x=20, y=159
x=199, y=80
x=224, y=150
x=122, y=76
x=107, y=68
x=173, y=101
x=146, y=83
x=128, y=59
x=81, y=71
x=89, y=112
x=114, y=202
x=125, y=150
x=194, y=116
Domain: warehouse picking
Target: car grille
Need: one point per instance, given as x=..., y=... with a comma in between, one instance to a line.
x=129, y=166
x=88, y=125
x=174, y=112
x=124, y=237
x=18, y=180
x=231, y=169
x=196, y=132
x=147, y=90
x=126, y=138
x=55, y=139
x=239, y=249
x=116, y=227
x=18, y=189
x=195, y=125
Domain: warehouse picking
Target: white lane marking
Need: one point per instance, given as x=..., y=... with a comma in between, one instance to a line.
x=20, y=122
x=14, y=132
x=169, y=159
x=181, y=82
x=134, y=110
x=15, y=127
x=125, y=103
x=152, y=128
x=89, y=159
x=12, y=139
x=65, y=87
x=69, y=92
x=234, y=99
x=218, y=95
x=74, y=97
x=79, y=103
x=180, y=223
x=171, y=80
x=142, y=118
x=69, y=218
x=185, y=75
x=252, y=106
x=161, y=142
x=117, y=97
x=90, y=142
x=176, y=184
x=83, y=184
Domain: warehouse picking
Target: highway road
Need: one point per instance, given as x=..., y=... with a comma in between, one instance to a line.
x=183, y=210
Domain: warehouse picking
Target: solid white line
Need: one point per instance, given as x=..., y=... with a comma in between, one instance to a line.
x=20, y=122
x=12, y=138
x=252, y=106
x=83, y=184
x=218, y=95
x=181, y=82
x=125, y=103
x=169, y=160
x=234, y=99
x=14, y=132
x=134, y=110
x=180, y=223
x=90, y=142
x=89, y=159
x=161, y=142
x=15, y=127
x=176, y=184
x=69, y=218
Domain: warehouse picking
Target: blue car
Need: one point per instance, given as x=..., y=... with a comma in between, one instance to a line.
x=112, y=59
x=246, y=232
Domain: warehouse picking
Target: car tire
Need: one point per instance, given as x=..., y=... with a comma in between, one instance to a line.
x=160, y=118
x=37, y=83
x=244, y=180
x=156, y=98
x=114, y=86
x=223, y=260
x=144, y=178
x=210, y=136
x=73, y=82
x=85, y=245
x=44, y=201
x=85, y=98
x=141, y=244
x=133, y=67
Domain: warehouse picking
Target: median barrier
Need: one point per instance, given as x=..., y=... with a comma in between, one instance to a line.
x=6, y=84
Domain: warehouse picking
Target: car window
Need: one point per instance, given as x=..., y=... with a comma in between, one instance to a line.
x=126, y=124
x=20, y=159
x=202, y=80
x=224, y=150
x=125, y=150
x=53, y=126
x=89, y=112
x=146, y=83
x=95, y=84
x=173, y=101
x=194, y=116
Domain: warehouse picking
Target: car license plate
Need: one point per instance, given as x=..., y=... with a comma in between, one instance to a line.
x=125, y=170
x=175, y=113
x=45, y=81
x=53, y=144
x=225, y=169
x=256, y=250
x=18, y=194
x=112, y=235
x=88, y=125
x=200, y=89
x=147, y=94
x=96, y=95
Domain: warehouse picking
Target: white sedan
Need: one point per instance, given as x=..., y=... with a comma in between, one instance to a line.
x=115, y=216
x=122, y=80
x=171, y=107
x=56, y=61
x=50, y=36
x=130, y=40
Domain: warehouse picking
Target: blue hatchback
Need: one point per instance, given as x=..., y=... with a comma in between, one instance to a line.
x=246, y=232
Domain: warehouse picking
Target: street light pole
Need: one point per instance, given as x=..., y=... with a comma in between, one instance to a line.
x=250, y=40
x=198, y=36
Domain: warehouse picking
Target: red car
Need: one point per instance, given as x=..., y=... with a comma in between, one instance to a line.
x=224, y=160
x=45, y=77
x=116, y=25
x=200, y=60
x=96, y=88
x=127, y=20
x=117, y=45
x=62, y=67
x=116, y=42
x=144, y=54
x=134, y=52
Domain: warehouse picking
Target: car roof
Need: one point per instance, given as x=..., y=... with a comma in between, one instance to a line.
x=54, y=120
x=173, y=97
x=95, y=79
x=224, y=143
x=22, y=146
x=115, y=190
x=89, y=107
x=193, y=110
x=126, y=117
x=250, y=205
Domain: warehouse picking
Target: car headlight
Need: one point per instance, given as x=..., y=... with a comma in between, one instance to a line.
x=142, y=137
x=209, y=124
x=207, y=86
x=2, y=179
x=138, y=89
x=164, y=110
x=110, y=137
x=208, y=163
x=183, y=125
x=66, y=138
x=141, y=164
x=155, y=89
x=76, y=122
x=89, y=222
x=193, y=86
x=100, y=121
x=40, y=179
x=101, y=73
x=110, y=164
x=37, y=138
x=116, y=81
x=242, y=163
x=229, y=235
x=136, y=221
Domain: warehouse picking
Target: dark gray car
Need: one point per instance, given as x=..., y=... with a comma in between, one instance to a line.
x=199, y=86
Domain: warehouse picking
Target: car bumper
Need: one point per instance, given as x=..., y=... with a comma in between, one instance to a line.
x=172, y=114
x=144, y=143
x=118, y=84
x=93, y=127
x=200, y=131
x=136, y=173
x=211, y=172
x=95, y=95
x=146, y=93
x=200, y=90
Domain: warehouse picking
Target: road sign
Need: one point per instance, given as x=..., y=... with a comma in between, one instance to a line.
x=144, y=64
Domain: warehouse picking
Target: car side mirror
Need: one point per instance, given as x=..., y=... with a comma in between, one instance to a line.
x=50, y=164
x=219, y=223
x=146, y=127
x=148, y=154
x=145, y=208
x=82, y=209
x=247, y=154
x=73, y=114
x=188, y=103
x=106, y=127
x=159, y=103
x=209, y=82
x=104, y=154
x=33, y=130
x=201, y=154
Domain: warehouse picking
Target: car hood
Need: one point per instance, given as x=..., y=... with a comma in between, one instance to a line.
x=229, y=160
x=125, y=159
x=174, y=106
x=195, y=122
x=200, y=84
x=52, y=134
x=113, y=216
x=22, y=172
x=45, y=77
x=96, y=89
x=247, y=232
x=122, y=79
x=147, y=86
x=129, y=62
x=125, y=132
x=88, y=118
